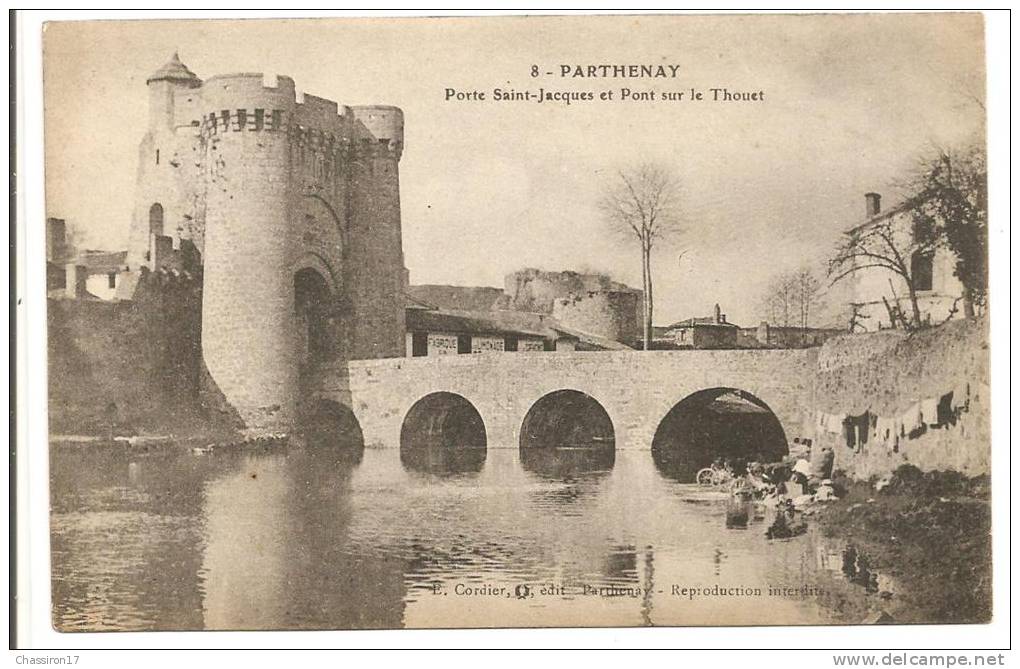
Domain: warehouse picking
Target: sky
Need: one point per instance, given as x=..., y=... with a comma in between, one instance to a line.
x=850, y=104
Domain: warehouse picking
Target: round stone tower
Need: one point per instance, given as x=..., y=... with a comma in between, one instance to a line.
x=248, y=331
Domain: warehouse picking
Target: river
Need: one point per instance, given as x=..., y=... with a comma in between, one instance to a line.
x=299, y=539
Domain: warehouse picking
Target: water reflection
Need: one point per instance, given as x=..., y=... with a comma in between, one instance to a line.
x=675, y=465
x=568, y=464
x=443, y=461
x=310, y=538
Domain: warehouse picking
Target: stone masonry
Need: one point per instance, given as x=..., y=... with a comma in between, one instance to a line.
x=637, y=389
x=264, y=183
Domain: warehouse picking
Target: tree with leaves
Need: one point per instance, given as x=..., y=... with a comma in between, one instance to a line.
x=953, y=185
x=643, y=203
x=947, y=208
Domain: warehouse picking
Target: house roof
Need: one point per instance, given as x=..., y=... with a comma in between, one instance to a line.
x=700, y=322
x=906, y=205
x=463, y=298
x=485, y=322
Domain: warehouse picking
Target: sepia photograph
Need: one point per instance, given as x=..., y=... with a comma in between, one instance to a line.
x=517, y=322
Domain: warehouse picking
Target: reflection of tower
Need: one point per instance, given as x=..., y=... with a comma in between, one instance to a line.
x=280, y=553
x=272, y=192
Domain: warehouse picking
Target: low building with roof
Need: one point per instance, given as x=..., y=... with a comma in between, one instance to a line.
x=702, y=332
x=432, y=331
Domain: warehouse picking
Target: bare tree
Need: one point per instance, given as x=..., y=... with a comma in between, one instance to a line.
x=791, y=297
x=807, y=289
x=644, y=202
x=778, y=301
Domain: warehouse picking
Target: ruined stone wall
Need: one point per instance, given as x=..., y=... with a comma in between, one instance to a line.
x=612, y=314
x=536, y=290
x=886, y=373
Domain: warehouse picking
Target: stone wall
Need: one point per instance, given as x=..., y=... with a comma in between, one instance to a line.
x=536, y=290
x=885, y=373
x=637, y=389
x=133, y=366
x=615, y=315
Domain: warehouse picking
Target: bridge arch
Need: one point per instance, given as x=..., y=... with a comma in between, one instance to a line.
x=567, y=435
x=443, y=419
x=721, y=422
x=567, y=418
x=331, y=425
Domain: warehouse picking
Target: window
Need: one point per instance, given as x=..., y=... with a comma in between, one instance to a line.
x=157, y=156
x=419, y=344
x=921, y=270
x=156, y=219
x=111, y=280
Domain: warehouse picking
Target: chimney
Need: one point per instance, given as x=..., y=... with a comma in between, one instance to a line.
x=872, y=204
x=718, y=313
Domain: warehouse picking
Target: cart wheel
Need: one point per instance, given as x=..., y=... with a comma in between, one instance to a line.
x=705, y=477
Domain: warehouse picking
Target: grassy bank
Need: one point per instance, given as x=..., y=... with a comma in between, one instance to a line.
x=931, y=532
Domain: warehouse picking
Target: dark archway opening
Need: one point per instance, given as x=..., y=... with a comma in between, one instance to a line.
x=443, y=434
x=312, y=300
x=567, y=434
x=332, y=427
x=717, y=423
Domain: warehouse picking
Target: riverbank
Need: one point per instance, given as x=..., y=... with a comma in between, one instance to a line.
x=930, y=532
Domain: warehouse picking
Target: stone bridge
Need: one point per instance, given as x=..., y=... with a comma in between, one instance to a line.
x=636, y=389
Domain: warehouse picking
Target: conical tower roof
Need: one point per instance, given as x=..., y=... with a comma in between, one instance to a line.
x=174, y=70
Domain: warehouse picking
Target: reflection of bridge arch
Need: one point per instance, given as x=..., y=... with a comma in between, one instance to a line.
x=722, y=422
